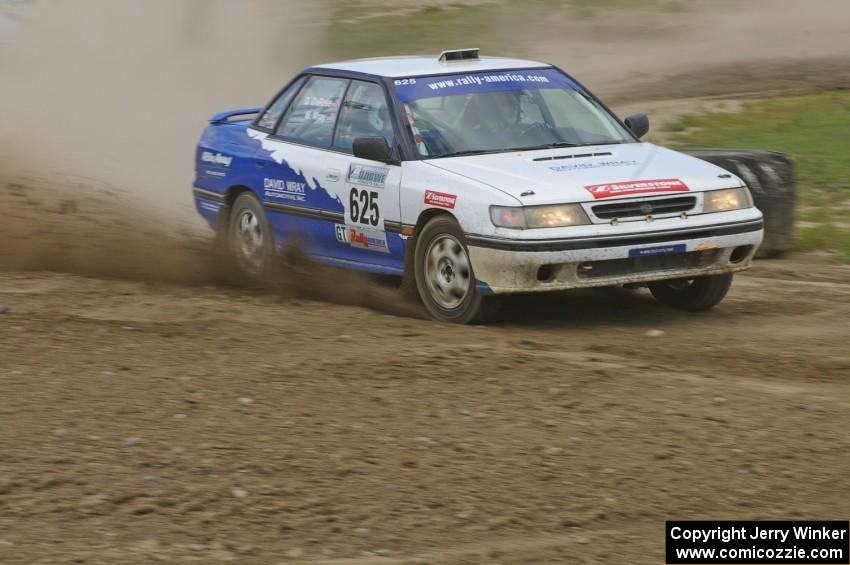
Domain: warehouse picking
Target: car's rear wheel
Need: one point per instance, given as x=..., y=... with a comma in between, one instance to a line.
x=444, y=277
x=694, y=295
x=249, y=239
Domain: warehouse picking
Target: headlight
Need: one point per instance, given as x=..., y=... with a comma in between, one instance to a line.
x=726, y=200
x=556, y=216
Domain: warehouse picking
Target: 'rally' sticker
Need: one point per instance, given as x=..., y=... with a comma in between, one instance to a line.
x=367, y=238
x=636, y=187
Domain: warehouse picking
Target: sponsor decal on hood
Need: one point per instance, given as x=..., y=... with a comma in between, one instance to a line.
x=611, y=190
x=441, y=199
x=596, y=165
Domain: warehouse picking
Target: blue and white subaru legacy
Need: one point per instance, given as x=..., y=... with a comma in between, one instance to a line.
x=471, y=177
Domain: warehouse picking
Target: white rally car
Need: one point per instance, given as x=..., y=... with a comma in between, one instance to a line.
x=471, y=177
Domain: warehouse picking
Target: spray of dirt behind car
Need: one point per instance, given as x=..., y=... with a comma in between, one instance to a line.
x=43, y=229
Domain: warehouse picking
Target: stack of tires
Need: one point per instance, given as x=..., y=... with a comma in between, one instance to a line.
x=770, y=176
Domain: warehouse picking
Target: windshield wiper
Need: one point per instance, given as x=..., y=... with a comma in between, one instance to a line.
x=566, y=144
x=561, y=144
x=545, y=146
x=530, y=148
x=602, y=143
x=470, y=152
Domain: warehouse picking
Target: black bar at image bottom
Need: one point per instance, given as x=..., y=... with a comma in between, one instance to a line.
x=758, y=543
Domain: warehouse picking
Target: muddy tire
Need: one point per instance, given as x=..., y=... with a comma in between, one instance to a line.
x=248, y=244
x=693, y=295
x=444, y=278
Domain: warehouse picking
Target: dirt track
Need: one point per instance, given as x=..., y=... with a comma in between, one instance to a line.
x=148, y=415
x=149, y=422
x=153, y=421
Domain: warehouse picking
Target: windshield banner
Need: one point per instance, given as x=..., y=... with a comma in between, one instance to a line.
x=410, y=89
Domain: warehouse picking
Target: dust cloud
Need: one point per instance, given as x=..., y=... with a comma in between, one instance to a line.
x=119, y=91
x=103, y=104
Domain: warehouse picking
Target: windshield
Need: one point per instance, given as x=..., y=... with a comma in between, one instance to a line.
x=503, y=111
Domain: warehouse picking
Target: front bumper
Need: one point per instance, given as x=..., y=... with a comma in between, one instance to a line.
x=521, y=265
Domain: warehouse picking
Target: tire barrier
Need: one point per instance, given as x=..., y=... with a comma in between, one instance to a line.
x=770, y=176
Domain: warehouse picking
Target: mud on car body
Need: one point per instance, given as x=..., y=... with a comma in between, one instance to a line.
x=471, y=177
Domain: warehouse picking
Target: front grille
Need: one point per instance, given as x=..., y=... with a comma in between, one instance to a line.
x=648, y=264
x=645, y=207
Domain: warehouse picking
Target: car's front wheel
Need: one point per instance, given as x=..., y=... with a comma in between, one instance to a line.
x=444, y=277
x=694, y=295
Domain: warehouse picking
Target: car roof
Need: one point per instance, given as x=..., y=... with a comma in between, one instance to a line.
x=406, y=66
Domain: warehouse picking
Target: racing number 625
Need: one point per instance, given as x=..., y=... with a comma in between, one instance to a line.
x=364, y=207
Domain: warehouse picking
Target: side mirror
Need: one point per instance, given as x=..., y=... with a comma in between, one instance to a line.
x=638, y=123
x=373, y=149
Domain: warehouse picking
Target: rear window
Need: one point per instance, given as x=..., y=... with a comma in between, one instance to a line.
x=271, y=116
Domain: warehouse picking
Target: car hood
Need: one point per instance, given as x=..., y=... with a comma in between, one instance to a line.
x=580, y=174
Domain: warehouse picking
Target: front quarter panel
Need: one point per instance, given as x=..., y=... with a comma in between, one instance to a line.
x=425, y=187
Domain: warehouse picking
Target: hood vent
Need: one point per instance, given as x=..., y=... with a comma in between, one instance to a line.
x=576, y=156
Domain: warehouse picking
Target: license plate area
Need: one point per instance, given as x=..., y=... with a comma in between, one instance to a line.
x=661, y=250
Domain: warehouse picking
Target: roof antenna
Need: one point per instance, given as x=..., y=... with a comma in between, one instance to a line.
x=460, y=54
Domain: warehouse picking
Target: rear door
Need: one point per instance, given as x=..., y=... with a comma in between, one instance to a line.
x=369, y=190
x=302, y=209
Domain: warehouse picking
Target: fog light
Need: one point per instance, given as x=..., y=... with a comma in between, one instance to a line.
x=545, y=273
x=740, y=253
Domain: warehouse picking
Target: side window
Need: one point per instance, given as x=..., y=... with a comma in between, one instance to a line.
x=364, y=114
x=311, y=117
x=269, y=119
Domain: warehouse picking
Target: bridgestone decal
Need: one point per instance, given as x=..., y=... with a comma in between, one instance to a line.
x=636, y=187
x=441, y=199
